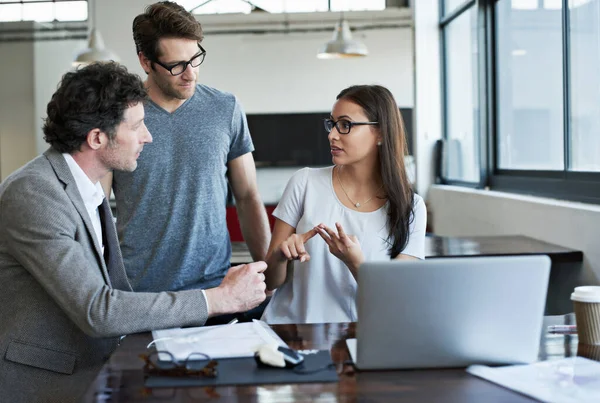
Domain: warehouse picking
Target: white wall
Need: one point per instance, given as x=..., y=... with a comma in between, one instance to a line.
x=29, y=75
x=428, y=113
x=279, y=72
x=52, y=60
x=459, y=211
x=17, y=142
x=274, y=72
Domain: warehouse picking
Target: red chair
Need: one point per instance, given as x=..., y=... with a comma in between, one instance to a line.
x=233, y=223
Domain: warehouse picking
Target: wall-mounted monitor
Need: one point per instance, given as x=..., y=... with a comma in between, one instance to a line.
x=298, y=139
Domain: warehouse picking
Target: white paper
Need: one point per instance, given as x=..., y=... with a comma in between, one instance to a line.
x=567, y=380
x=224, y=341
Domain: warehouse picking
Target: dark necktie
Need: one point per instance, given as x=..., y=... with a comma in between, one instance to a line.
x=111, y=248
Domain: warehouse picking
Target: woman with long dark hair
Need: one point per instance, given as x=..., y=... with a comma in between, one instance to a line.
x=330, y=220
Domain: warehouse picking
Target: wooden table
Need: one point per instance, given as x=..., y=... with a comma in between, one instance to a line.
x=502, y=245
x=121, y=379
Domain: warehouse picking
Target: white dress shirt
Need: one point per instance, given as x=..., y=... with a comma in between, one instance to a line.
x=92, y=195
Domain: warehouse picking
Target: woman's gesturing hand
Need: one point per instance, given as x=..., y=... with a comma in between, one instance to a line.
x=293, y=247
x=344, y=247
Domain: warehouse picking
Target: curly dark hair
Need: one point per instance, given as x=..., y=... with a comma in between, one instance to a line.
x=92, y=97
x=164, y=19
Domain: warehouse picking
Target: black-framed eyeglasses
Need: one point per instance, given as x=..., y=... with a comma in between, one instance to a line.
x=343, y=126
x=178, y=68
x=163, y=363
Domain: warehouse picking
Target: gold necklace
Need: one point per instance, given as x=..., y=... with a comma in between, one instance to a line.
x=356, y=204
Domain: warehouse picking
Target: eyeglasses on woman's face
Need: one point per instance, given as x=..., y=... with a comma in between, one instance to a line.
x=178, y=68
x=343, y=126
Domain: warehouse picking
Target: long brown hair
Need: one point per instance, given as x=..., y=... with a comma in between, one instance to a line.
x=379, y=105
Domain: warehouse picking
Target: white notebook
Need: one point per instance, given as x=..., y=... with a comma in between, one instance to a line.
x=224, y=341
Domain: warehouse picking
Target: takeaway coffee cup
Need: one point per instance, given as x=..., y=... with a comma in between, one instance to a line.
x=586, y=303
x=588, y=351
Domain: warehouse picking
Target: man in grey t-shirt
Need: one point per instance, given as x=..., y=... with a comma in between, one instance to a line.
x=171, y=214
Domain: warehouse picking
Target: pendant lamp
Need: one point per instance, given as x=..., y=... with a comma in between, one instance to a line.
x=341, y=44
x=95, y=52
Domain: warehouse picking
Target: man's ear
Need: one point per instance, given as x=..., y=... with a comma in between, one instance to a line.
x=95, y=139
x=145, y=62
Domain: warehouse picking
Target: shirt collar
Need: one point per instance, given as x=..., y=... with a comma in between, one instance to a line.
x=92, y=194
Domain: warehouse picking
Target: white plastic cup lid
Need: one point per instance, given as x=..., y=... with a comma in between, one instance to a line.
x=586, y=293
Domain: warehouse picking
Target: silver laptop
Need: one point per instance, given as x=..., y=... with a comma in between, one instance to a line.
x=450, y=312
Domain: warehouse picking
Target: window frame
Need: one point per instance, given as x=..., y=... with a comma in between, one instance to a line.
x=562, y=184
x=22, y=3
x=445, y=21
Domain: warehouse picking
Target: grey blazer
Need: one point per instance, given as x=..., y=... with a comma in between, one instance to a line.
x=61, y=311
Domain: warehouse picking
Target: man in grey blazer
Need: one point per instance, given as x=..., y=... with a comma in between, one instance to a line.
x=65, y=299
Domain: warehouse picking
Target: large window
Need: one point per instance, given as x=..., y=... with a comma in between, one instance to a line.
x=584, y=21
x=461, y=103
x=529, y=86
x=43, y=10
x=537, y=73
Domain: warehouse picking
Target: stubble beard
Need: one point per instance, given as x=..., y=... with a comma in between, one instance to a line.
x=115, y=162
x=170, y=91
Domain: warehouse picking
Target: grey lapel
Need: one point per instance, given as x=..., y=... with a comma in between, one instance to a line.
x=112, y=251
x=64, y=175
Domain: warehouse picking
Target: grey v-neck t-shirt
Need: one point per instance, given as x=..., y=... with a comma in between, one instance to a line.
x=171, y=211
